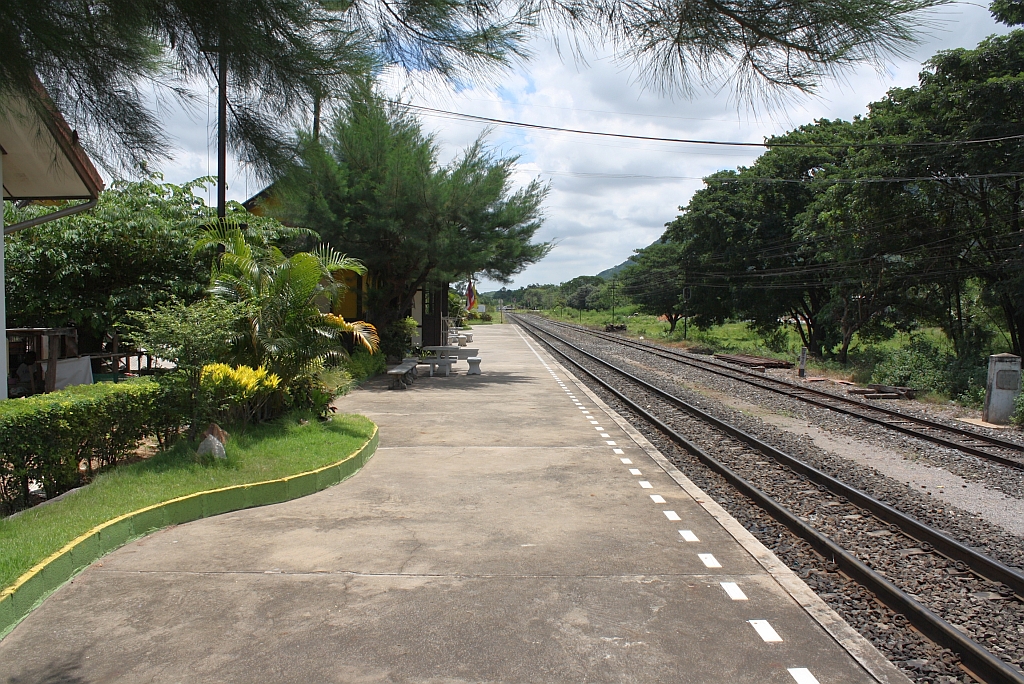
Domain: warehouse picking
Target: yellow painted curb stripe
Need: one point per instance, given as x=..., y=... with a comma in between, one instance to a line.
x=8, y=593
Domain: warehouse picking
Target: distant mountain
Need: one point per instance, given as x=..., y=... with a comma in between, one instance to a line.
x=609, y=273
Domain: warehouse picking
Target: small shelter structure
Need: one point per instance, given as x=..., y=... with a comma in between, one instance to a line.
x=40, y=160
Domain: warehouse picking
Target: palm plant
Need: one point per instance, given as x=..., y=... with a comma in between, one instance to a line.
x=290, y=328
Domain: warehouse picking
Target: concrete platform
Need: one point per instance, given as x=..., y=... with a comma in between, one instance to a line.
x=498, y=535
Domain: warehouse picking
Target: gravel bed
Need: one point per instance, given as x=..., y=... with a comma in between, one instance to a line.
x=945, y=414
x=986, y=610
x=993, y=476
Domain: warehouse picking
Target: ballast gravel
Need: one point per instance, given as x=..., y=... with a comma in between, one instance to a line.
x=985, y=610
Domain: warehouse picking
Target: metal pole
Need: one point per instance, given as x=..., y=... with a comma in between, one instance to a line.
x=613, y=301
x=3, y=296
x=222, y=128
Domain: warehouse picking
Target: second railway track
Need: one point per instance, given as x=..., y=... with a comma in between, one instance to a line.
x=1004, y=452
x=912, y=568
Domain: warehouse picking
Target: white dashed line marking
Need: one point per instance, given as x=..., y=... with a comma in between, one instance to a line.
x=646, y=485
x=688, y=535
x=605, y=434
x=611, y=443
x=633, y=471
x=733, y=590
x=593, y=422
x=802, y=675
x=626, y=461
x=671, y=515
x=618, y=451
x=658, y=498
x=766, y=631
x=710, y=561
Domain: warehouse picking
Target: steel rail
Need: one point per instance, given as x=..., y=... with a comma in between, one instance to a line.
x=830, y=401
x=987, y=666
x=982, y=564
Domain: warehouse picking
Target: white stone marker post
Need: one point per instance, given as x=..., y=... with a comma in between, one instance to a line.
x=1002, y=388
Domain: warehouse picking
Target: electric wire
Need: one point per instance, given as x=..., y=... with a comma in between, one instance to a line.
x=695, y=141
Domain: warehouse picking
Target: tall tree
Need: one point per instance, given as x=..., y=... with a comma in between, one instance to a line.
x=374, y=187
x=974, y=199
x=655, y=282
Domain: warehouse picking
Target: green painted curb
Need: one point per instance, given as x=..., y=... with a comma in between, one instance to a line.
x=32, y=588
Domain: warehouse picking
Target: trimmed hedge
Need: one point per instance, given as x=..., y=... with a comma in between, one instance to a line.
x=47, y=437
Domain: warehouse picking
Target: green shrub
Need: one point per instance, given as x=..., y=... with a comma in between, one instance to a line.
x=923, y=364
x=920, y=364
x=45, y=438
x=308, y=392
x=362, y=364
x=238, y=394
x=396, y=340
x=486, y=317
x=1018, y=412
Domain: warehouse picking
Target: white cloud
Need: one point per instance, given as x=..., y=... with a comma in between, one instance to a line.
x=599, y=221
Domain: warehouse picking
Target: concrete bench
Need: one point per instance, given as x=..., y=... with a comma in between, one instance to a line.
x=402, y=375
x=474, y=365
x=445, y=364
x=466, y=352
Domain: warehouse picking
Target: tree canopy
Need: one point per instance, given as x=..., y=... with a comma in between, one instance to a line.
x=99, y=59
x=884, y=223
x=373, y=187
x=133, y=252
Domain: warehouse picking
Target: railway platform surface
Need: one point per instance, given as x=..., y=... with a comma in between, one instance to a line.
x=510, y=528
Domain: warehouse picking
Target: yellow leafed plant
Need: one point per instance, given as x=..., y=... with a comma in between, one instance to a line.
x=239, y=393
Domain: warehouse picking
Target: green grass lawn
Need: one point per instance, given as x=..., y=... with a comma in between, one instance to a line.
x=264, y=452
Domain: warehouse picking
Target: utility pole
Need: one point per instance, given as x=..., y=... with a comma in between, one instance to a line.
x=686, y=312
x=222, y=126
x=613, y=300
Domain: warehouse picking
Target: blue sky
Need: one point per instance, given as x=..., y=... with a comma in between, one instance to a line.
x=599, y=221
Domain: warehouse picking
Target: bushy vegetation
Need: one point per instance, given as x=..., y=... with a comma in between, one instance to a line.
x=135, y=251
x=925, y=365
x=373, y=185
x=239, y=394
x=59, y=438
x=363, y=364
x=1018, y=412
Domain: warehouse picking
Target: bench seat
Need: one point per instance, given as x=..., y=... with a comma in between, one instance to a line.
x=402, y=375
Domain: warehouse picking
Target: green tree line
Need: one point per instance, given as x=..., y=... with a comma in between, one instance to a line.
x=893, y=221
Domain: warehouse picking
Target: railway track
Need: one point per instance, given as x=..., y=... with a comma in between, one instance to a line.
x=912, y=568
x=1001, y=451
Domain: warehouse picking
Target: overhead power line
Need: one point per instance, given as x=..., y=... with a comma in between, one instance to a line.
x=757, y=179
x=722, y=143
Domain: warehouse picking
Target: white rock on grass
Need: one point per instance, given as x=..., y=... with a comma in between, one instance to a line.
x=211, y=445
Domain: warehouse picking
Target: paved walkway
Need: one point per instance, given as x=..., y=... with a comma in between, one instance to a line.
x=507, y=530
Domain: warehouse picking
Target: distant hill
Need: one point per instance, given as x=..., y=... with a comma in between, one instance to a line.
x=609, y=273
